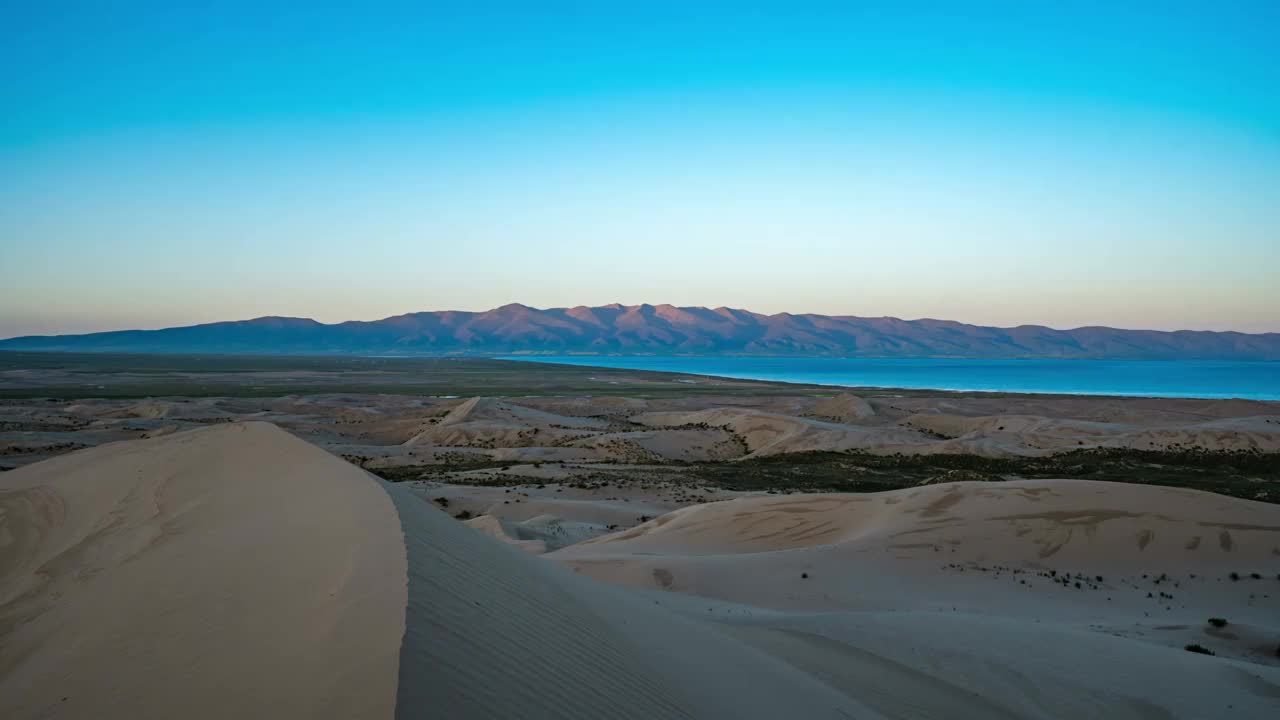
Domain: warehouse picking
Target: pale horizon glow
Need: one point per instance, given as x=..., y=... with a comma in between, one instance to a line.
x=1007, y=165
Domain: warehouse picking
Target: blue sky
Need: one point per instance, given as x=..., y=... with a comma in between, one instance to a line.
x=991, y=162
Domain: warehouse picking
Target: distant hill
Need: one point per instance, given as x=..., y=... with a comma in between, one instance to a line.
x=661, y=329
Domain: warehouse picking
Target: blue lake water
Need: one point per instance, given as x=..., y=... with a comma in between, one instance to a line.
x=1157, y=378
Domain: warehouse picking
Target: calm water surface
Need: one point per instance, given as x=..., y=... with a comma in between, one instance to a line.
x=1157, y=378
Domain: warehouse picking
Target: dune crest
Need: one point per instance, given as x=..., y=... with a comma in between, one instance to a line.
x=1082, y=522
x=211, y=573
x=843, y=408
x=491, y=422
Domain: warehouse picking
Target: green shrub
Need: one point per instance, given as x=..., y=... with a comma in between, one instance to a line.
x=1199, y=649
x=1218, y=622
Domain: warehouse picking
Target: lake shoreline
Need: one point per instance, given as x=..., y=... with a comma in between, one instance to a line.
x=1190, y=379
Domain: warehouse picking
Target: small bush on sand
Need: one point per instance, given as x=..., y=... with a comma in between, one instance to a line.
x=1199, y=649
x=1218, y=622
x=464, y=515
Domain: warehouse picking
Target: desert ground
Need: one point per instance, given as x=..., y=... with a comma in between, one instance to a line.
x=457, y=538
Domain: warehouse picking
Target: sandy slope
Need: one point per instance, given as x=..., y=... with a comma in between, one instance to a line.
x=494, y=633
x=688, y=445
x=1038, y=435
x=843, y=427
x=992, y=545
x=954, y=588
x=843, y=408
x=537, y=534
x=498, y=423
x=213, y=573
x=1028, y=521
x=767, y=433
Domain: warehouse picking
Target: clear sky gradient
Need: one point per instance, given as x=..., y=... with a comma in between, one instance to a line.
x=992, y=162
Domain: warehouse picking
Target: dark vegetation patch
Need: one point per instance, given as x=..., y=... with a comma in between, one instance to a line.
x=406, y=473
x=1244, y=474
x=1238, y=474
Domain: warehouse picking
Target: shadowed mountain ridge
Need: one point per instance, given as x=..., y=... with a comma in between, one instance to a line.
x=662, y=329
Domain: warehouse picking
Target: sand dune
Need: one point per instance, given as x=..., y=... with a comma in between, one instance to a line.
x=1255, y=434
x=843, y=408
x=1037, y=435
x=685, y=444
x=603, y=406
x=537, y=534
x=767, y=433
x=521, y=504
x=509, y=532
x=214, y=573
x=1077, y=522
x=912, y=600
x=480, y=409
x=205, y=409
x=1015, y=549
x=492, y=422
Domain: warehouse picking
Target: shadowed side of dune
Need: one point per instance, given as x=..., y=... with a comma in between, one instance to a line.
x=494, y=633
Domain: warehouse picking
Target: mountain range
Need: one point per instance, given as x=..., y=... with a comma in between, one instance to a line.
x=660, y=329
